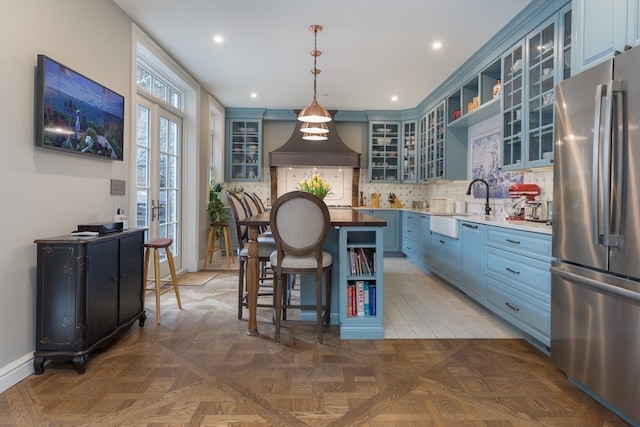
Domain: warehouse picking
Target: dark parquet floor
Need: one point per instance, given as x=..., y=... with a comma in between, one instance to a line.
x=198, y=368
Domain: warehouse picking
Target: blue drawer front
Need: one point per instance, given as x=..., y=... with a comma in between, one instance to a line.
x=530, y=276
x=512, y=305
x=525, y=243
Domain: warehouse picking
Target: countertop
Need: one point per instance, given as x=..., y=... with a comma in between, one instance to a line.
x=536, y=227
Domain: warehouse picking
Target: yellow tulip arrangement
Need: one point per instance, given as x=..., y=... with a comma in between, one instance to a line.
x=315, y=185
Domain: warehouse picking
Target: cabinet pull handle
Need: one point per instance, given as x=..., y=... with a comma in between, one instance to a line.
x=464, y=224
x=442, y=241
x=512, y=307
x=512, y=271
x=515, y=242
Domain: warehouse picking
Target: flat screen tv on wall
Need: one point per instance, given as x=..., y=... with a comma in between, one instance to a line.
x=77, y=115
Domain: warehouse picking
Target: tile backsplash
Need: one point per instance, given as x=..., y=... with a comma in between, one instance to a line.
x=407, y=193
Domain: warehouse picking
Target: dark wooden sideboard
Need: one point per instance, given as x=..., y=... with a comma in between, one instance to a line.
x=89, y=289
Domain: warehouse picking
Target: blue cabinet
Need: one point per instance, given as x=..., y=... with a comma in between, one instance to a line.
x=443, y=254
x=415, y=229
x=518, y=279
x=363, y=246
x=530, y=71
x=244, y=150
x=384, y=151
x=472, y=263
x=409, y=151
x=602, y=27
x=392, y=233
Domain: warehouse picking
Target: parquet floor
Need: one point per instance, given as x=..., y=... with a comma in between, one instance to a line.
x=198, y=368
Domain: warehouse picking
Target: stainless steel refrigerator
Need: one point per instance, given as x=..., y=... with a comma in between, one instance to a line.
x=595, y=277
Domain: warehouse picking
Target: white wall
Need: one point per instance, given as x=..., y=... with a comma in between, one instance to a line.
x=44, y=192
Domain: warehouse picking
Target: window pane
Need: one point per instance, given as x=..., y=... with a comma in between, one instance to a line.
x=144, y=78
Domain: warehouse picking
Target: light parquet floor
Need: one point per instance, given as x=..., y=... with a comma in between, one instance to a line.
x=198, y=368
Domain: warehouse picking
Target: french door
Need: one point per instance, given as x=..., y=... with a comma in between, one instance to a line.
x=158, y=177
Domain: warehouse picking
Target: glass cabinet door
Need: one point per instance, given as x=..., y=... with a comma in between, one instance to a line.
x=422, y=148
x=384, y=144
x=512, y=97
x=245, y=157
x=409, y=151
x=541, y=72
x=435, y=142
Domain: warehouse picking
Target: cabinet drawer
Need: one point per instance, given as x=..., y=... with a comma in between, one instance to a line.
x=528, y=275
x=410, y=221
x=514, y=307
x=522, y=242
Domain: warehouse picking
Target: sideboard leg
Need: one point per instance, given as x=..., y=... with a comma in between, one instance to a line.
x=38, y=365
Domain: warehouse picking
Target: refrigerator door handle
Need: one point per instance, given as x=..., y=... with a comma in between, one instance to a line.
x=586, y=281
x=619, y=132
x=601, y=91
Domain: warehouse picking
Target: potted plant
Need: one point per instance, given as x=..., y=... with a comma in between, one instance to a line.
x=216, y=208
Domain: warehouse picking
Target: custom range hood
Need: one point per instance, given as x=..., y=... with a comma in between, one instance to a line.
x=297, y=152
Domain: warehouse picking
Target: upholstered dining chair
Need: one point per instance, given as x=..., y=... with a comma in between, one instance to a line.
x=265, y=248
x=300, y=224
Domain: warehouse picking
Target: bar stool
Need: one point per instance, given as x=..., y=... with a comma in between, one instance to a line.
x=228, y=246
x=160, y=286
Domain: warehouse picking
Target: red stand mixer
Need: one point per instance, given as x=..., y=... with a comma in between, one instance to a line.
x=519, y=194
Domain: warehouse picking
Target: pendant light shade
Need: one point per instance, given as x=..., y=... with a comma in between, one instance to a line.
x=315, y=136
x=314, y=112
x=315, y=128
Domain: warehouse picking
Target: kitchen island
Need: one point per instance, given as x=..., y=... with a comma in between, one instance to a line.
x=347, y=219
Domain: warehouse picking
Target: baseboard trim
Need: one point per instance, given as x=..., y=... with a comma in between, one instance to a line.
x=16, y=371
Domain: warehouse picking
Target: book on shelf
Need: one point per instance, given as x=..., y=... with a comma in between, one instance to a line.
x=360, y=297
x=372, y=299
x=366, y=267
x=366, y=298
x=361, y=261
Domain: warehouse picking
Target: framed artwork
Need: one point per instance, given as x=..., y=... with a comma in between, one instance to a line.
x=485, y=164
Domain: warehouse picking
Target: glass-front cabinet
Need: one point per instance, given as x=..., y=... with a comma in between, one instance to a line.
x=384, y=144
x=512, y=95
x=540, y=72
x=435, y=143
x=422, y=148
x=530, y=72
x=244, y=150
x=409, y=151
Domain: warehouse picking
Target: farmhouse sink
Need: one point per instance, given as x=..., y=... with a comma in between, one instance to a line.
x=445, y=225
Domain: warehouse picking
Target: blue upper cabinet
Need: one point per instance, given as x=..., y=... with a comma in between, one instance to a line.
x=244, y=150
x=531, y=70
x=384, y=151
x=243, y=144
x=409, y=151
x=602, y=27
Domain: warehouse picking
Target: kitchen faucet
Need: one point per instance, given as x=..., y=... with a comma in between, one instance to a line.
x=487, y=208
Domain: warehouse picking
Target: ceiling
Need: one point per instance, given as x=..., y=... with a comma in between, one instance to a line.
x=371, y=49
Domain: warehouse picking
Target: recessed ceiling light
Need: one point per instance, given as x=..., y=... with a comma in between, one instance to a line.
x=218, y=39
x=436, y=45
x=254, y=95
x=394, y=98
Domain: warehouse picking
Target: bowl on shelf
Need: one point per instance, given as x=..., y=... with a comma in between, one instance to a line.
x=547, y=154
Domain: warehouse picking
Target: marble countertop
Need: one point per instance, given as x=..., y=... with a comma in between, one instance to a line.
x=536, y=227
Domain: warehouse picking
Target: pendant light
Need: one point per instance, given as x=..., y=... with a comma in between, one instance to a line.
x=314, y=131
x=314, y=112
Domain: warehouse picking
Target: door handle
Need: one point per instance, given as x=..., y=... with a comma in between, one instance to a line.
x=154, y=208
